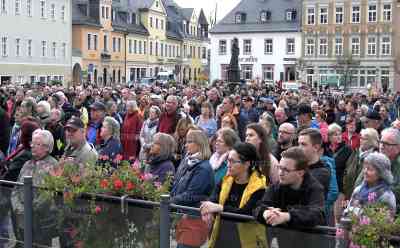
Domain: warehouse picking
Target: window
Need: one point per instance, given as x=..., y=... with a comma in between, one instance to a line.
x=17, y=7
x=151, y=21
x=156, y=23
x=310, y=16
x=95, y=42
x=387, y=12
x=372, y=13
x=323, y=15
x=89, y=41
x=203, y=53
x=29, y=48
x=247, y=47
x=339, y=15
x=224, y=71
x=144, y=47
x=114, y=44
x=355, y=15
x=105, y=43
x=42, y=9
x=338, y=46
x=17, y=47
x=29, y=7
x=247, y=71
x=53, y=50
x=371, y=46
x=103, y=12
x=162, y=24
x=64, y=50
x=44, y=48
x=151, y=48
x=63, y=13
x=291, y=15
x=53, y=11
x=265, y=16
x=119, y=44
x=310, y=46
x=135, y=46
x=222, y=47
x=140, y=47
x=133, y=18
x=290, y=46
x=268, y=72
x=107, y=13
x=4, y=46
x=386, y=46
x=323, y=46
x=3, y=6
x=130, y=46
x=238, y=18
x=162, y=49
x=156, y=48
x=268, y=46
x=355, y=46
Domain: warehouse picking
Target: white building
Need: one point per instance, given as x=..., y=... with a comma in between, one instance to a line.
x=35, y=40
x=269, y=40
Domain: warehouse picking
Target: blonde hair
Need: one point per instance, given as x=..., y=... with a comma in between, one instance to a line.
x=201, y=139
x=372, y=137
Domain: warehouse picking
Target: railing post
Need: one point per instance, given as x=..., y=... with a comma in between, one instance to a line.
x=165, y=222
x=345, y=226
x=28, y=212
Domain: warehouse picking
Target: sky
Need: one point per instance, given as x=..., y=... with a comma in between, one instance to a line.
x=224, y=6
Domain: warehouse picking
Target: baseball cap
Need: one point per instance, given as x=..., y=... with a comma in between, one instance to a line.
x=75, y=123
x=98, y=106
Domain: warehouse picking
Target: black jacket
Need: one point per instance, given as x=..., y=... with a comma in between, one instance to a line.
x=322, y=173
x=305, y=205
x=342, y=154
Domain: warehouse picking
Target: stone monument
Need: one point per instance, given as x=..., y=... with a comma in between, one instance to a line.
x=233, y=70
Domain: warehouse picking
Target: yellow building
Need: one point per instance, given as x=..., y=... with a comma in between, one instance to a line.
x=122, y=41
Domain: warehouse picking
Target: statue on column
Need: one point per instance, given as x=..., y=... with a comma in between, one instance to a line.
x=233, y=70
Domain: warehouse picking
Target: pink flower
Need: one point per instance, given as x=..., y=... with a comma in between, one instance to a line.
x=147, y=176
x=136, y=165
x=339, y=233
x=97, y=209
x=352, y=245
x=158, y=185
x=364, y=220
x=371, y=197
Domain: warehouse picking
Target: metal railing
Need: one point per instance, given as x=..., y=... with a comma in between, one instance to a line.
x=166, y=209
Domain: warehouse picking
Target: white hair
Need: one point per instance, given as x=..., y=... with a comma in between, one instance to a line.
x=45, y=105
x=46, y=136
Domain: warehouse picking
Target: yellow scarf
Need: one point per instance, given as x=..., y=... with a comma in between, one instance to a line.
x=251, y=234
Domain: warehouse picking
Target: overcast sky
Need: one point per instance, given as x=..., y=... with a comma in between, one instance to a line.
x=224, y=6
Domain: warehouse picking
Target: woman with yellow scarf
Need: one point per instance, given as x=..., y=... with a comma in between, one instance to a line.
x=238, y=192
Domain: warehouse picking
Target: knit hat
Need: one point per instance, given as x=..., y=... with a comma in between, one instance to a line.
x=382, y=164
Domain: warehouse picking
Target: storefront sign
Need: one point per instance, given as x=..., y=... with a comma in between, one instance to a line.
x=250, y=59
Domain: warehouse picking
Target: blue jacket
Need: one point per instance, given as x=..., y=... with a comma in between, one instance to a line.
x=193, y=183
x=333, y=190
x=110, y=148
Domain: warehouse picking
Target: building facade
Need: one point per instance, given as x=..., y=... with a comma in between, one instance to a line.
x=397, y=45
x=125, y=40
x=32, y=48
x=269, y=35
x=348, y=44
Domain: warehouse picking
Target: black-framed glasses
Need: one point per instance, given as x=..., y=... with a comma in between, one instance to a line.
x=384, y=143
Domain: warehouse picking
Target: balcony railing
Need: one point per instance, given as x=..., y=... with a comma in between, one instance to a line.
x=114, y=221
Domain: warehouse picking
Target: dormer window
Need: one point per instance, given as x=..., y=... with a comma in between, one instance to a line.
x=240, y=18
x=265, y=16
x=156, y=4
x=133, y=18
x=291, y=15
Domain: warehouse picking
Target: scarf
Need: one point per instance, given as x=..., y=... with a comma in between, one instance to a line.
x=217, y=160
x=193, y=159
x=364, y=193
x=152, y=123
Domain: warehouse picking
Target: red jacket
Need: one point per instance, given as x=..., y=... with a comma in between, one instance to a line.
x=130, y=135
x=354, y=143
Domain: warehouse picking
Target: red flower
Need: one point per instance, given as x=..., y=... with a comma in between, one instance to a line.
x=104, y=184
x=130, y=186
x=97, y=209
x=118, y=184
x=118, y=158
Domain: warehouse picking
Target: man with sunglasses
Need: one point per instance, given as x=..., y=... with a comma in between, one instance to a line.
x=298, y=199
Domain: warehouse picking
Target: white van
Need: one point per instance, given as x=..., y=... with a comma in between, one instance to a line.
x=165, y=76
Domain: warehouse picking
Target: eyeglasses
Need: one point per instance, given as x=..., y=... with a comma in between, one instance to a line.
x=285, y=132
x=71, y=130
x=37, y=145
x=286, y=170
x=384, y=143
x=232, y=161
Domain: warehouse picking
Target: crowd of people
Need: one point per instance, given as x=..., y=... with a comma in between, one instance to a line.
x=294, y=158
